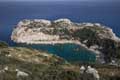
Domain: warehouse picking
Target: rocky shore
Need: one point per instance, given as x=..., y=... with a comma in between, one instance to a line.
x=93, y=36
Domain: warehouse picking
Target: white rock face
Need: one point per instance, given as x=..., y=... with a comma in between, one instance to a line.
x=93, y=71
x=113, y=36
x=21, y=73
x=82, y=69
x=34, y=37
x=9, y=55
x=6, y=68
x=97, y=24
x=108, y=33
x=94, y=47
x=89, y=24
x=85, y=41
x=43, y=21
x=67, y=21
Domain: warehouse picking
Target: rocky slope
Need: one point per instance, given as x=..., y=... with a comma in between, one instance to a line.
x=93, y=36
x=18, y=63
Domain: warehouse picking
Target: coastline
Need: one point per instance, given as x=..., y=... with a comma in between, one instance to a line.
x=63, y=42
x=91, y=36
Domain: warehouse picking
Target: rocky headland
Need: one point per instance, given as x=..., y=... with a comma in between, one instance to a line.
x=92, y=36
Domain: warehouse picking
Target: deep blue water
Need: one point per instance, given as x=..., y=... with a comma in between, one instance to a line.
x=106, y=13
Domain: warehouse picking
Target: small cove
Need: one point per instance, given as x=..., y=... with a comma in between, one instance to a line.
x=70, y=52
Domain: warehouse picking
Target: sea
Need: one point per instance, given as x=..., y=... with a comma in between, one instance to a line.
x=106, y=13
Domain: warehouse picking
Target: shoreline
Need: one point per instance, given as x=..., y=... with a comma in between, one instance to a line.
x=62, y=42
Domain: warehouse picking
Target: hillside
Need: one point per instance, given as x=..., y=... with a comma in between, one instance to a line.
x=19, y=63
x=34, y=64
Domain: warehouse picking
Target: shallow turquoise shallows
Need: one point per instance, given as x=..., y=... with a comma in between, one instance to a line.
x=70, y=52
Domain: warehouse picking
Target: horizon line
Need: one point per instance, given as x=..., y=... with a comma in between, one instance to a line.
x=58, y=1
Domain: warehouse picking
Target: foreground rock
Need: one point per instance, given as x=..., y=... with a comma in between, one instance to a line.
x=93, y=36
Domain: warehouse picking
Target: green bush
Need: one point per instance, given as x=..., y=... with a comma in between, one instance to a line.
x=3, y=44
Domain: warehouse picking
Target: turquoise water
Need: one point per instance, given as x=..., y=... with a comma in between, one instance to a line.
x=70, y=52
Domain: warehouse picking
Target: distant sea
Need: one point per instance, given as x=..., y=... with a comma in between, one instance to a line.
x=106, y=13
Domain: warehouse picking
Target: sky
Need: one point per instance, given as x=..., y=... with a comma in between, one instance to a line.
x=61, y=0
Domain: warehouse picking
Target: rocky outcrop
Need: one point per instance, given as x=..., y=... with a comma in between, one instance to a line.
x=90, y=71
x=93, y=36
